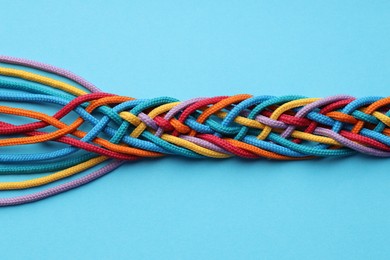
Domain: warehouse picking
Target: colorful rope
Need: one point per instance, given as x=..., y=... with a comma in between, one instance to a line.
x=109, y=130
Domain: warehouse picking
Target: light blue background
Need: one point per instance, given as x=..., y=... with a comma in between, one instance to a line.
x=190, y=209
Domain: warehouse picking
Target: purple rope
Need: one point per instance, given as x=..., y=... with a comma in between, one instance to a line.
x=204, y=143
x=52, y=69
x=60, y=188
x=348, y=143
x=308, y=108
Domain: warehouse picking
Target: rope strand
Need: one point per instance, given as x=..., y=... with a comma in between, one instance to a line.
x=107, y=130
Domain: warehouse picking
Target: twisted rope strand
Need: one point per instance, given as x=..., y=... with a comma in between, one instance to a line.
x=107, y=130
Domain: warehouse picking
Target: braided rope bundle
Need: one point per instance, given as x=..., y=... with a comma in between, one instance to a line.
x=121, y=129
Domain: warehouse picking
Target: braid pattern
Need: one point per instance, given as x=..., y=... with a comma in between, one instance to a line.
x=108, y=129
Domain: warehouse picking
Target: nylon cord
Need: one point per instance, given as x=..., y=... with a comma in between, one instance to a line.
x=121, y=129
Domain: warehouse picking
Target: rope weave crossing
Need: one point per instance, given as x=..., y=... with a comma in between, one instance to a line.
x=92, y=128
